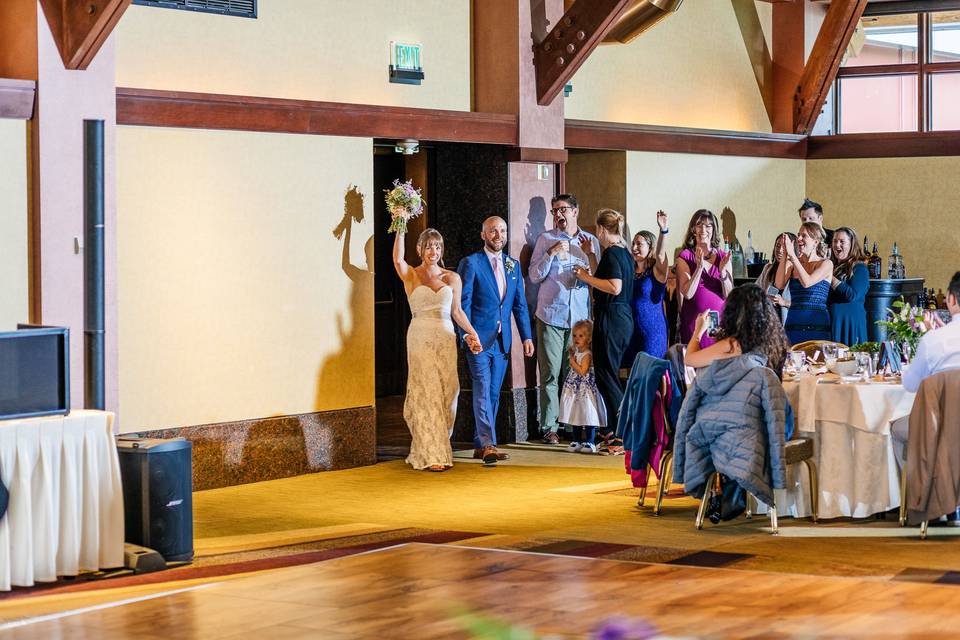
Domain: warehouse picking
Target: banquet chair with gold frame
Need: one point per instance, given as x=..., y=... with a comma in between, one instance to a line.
x=795, y=451
x=666, y=460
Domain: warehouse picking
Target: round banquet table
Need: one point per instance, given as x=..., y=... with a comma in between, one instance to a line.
x=66, y=501
x=850, y=426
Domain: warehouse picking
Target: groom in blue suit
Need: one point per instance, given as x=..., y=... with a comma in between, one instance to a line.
x=492, y=292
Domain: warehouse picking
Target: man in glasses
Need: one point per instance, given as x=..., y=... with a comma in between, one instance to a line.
x=561, y=301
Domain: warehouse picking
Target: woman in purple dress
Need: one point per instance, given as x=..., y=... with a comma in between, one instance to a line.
x=704, y=273
x=649, y=283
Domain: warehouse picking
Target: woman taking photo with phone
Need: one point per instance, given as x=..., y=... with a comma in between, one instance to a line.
x=768, y=277
x=704, y=273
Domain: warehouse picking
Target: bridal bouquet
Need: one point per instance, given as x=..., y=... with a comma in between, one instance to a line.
x=403, y=202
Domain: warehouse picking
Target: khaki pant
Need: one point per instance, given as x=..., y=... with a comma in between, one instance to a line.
x=899, y=433
x=552, y=344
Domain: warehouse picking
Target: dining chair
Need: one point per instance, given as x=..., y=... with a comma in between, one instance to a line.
x=675, y=356
x=666, y=460
x=932, y=436
x=795, y=451
x=903, y=505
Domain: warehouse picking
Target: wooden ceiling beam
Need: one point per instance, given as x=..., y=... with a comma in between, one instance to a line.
x=570, y=42
x=841, y=21
x=80, y=27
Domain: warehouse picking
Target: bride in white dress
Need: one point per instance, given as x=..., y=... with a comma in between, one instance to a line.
x=432, y=383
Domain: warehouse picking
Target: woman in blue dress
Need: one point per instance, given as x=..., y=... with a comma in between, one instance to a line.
x=849, y=284
x=807, y=271
x=649, y=284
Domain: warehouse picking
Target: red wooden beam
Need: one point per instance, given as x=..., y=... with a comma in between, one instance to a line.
x=571, y=41
x=80, y=27
x=841, y=21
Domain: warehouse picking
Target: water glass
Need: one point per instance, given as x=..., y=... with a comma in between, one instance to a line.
x=864, y=364
x=797, y=358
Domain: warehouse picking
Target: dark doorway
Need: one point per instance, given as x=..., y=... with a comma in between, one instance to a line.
x=462, y=184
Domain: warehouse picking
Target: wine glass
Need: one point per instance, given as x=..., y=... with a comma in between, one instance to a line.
x=830, y=352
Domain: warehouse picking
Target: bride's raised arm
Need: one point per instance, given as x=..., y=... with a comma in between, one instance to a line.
x=456, y=312
x=404, y=270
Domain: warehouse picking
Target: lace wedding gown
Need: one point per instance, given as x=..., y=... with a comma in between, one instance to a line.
x=432, y=383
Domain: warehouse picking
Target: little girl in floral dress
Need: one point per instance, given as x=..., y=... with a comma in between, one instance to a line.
x=581, y=405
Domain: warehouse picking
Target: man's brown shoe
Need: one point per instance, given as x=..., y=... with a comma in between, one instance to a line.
x=492, y=456
x=478, y=454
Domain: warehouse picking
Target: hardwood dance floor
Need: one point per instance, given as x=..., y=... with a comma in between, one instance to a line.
x=421, y=591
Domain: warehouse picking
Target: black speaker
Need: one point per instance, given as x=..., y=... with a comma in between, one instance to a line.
x=158, y=495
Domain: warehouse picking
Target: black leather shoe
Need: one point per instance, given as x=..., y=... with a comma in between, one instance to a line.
x=953, y=519
x=713, y=509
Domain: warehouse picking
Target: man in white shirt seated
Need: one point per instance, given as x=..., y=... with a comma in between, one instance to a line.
x=939, y=350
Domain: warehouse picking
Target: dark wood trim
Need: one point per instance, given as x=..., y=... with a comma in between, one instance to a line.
x=584, y=134
x=884, y=145
x=909, y=6
x=149, y=107
x=923, y=26
x=941, y=67
x=880, y=70
x=17, y=98
x=533, y=154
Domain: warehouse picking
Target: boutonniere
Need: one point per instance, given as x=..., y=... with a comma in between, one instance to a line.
x=510, y=264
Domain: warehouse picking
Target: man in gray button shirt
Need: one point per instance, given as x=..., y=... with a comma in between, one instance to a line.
x=561, y=301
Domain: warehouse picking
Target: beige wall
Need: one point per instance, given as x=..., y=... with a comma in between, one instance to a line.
x=691, y=70
x=762, y=193
x=598, y=180
x=306, y=49
x=234, y=300
x=912, y=201
x=13, y=224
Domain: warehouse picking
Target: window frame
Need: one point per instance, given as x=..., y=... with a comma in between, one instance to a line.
x=923, y=69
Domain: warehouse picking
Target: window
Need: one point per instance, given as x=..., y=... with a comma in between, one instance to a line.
x=901, y=72
x=242, y=8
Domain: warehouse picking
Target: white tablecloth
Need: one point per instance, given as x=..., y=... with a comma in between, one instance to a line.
x=850, y=424
x=66, y=501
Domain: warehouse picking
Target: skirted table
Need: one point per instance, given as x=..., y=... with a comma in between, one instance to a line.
x=850, y=425
x=66, y=502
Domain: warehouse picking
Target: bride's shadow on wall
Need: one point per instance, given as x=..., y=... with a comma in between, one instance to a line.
x=345, y=377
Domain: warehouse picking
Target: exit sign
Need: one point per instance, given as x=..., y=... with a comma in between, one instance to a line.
x=406, y=66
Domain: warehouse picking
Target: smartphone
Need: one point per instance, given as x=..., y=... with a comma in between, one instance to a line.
x=713, y=321
x=772, y=291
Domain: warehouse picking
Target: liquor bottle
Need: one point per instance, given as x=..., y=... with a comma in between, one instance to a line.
x=737, y=261
x=874, y=263
x=749, y=256
x=922, y=299
x=866, y=250
x=895, y=266
x=931, y=296
x=941, y=300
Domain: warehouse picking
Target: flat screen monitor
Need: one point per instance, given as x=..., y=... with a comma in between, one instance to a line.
x=34, y=371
